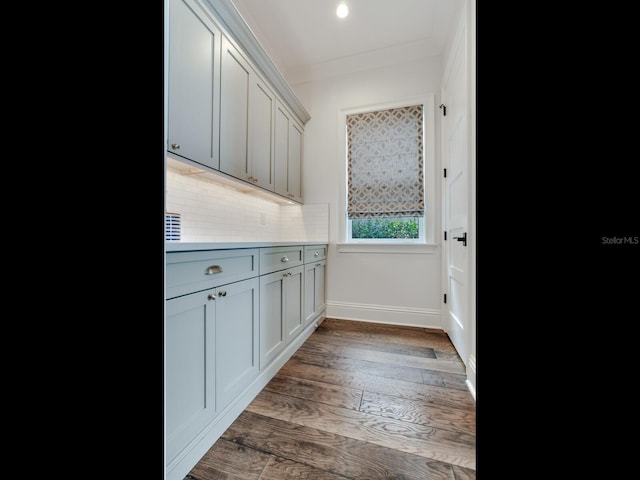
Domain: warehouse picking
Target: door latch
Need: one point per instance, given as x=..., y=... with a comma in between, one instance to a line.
x=462, y=239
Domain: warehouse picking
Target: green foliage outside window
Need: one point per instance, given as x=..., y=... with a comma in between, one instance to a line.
x=385, y=227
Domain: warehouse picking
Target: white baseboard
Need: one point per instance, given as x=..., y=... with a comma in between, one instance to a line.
x=471, y=376
x=413, y=317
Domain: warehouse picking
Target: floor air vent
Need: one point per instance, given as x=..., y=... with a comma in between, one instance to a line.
x=172, y=226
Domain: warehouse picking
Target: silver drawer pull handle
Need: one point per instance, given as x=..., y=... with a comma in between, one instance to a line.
x=284, y=259
x=213, y=269
x=316, y=254
x=175, y=146
x=222, y=293
x=288, y=274
x=318, y=264
x=212, y=296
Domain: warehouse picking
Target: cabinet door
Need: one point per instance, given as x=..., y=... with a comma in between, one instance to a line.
x=190, y=368
x=319, y=292
x=294, y=173
x=281, y=314
x=314, y=294
x=288, y=154
x=236, y=338
x=281, y=141
x=261, y=151
x=234, y=112
x=272, y=334
x=194, y=97
x=293, y=314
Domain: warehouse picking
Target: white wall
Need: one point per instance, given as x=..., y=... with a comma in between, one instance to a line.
x=401, y=288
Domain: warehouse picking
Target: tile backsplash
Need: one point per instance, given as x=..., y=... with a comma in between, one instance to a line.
x=215, y=212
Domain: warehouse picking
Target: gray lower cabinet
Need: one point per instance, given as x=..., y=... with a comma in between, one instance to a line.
x=233, y=317
x=190, y=381
x=314, y=295
x=280, y=311
x=237, y=314
x=315, y=264
x=211, y=355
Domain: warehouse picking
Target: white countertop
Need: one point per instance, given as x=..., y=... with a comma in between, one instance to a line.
x=189, y=246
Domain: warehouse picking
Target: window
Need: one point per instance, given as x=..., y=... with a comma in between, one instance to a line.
x=385, y=175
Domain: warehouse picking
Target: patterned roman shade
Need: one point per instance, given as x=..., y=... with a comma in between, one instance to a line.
x=385, y=166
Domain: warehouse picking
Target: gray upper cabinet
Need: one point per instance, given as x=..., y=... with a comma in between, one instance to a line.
x=246, y=121
x=229, y=109
x=234, y=112
x=288, y=154
x=194, y=97
x=262, y=105
x=294, y=172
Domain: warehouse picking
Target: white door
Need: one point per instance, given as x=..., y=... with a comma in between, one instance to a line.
x=456, y=189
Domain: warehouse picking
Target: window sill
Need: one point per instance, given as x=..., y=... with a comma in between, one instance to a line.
x=386, y=248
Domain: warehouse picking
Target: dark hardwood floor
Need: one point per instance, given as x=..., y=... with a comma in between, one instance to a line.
x=357, y=401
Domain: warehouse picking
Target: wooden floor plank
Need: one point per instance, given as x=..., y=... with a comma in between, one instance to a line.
x=445, y=379
x=444, y=418
x=396, y=334
x=230, y=461
x=383, y=357
x=336, y=356
x=371, y=342
x=362, y=381
x=339, y=358
x=462, y=473
x=333, y=453
x=280, y=468
x=453, y=447
x=317, y=391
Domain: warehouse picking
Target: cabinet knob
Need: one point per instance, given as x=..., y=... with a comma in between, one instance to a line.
x=284, y=259
x=175, y=146
x=212, y=296
x=316, y=254
x=288, y=274
x=222, y=293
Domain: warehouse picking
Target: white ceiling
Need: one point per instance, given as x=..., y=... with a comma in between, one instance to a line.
x=298, y=34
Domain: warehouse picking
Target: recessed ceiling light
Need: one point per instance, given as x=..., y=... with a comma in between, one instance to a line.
x=342, y=10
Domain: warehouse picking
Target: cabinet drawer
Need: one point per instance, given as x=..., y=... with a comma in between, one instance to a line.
x=273, y=259
x=313, y=253
x=189, y=272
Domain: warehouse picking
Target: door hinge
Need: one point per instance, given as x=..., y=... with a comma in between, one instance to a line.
x=444, y=109
x=445, y=235
x=445, y=173
x=445, y=298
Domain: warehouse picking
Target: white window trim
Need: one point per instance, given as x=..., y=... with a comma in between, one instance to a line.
x=382, y=247
x=393, y=246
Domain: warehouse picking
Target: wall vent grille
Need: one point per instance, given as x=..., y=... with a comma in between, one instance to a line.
x=172, y=226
